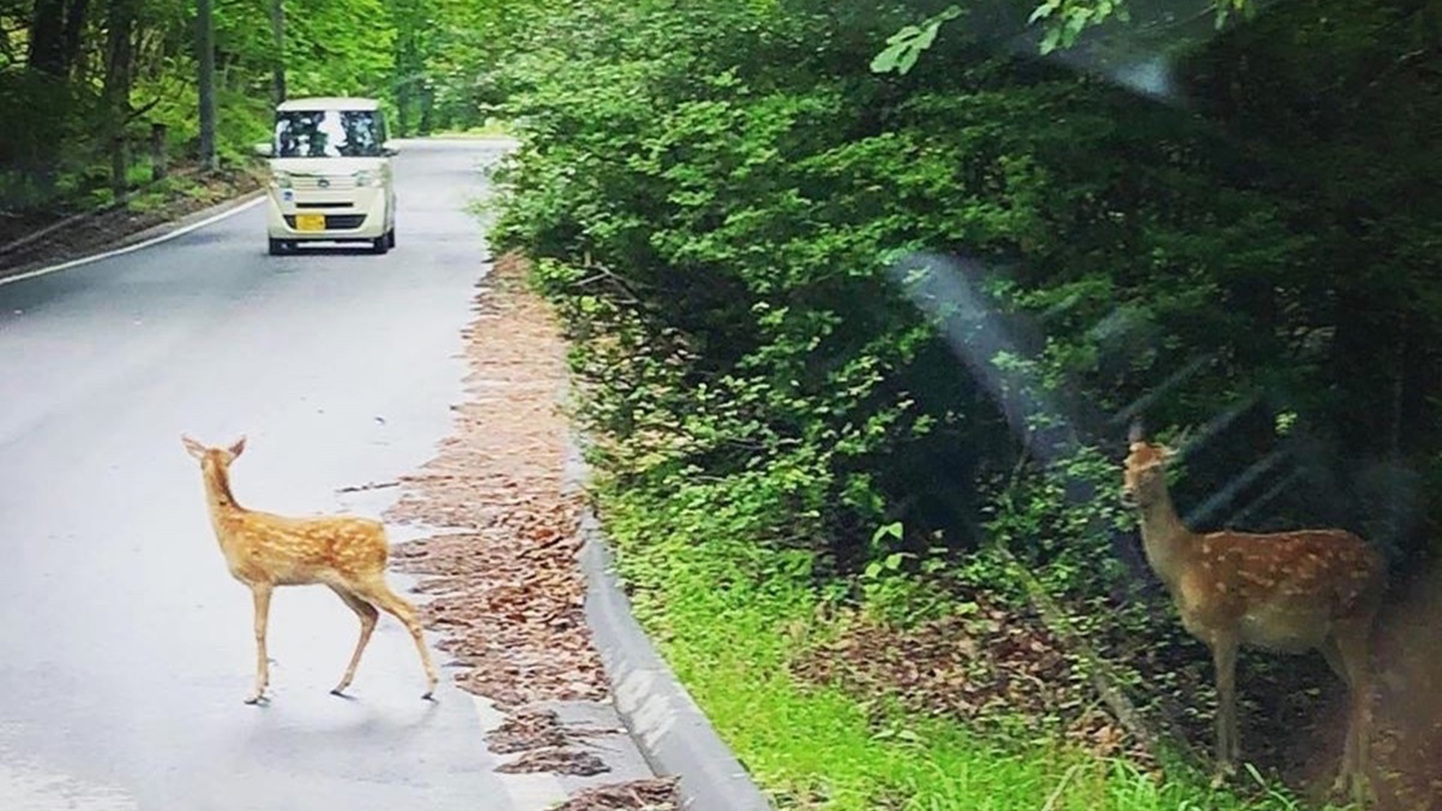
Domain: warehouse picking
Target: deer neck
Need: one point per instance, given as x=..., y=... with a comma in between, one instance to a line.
x=218, y=496
x=1165, y=539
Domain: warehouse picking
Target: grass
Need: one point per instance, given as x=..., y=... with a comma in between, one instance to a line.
x=729, y=617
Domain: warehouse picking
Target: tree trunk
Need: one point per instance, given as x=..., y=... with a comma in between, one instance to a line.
x=47, y=38
x=205, y=42
x=403, y=107
x=74, y=33
x=159, y=167
x=277, y=32
x=120, y=23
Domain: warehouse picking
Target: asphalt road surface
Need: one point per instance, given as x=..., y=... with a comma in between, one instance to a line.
x=125, y=646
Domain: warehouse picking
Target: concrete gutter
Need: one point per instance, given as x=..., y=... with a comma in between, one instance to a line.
x=674, y=735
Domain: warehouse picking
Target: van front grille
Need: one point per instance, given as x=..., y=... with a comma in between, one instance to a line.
x=322, y=182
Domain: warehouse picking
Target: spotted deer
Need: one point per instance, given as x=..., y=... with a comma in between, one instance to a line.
x=263, y=551
x=1286, y=592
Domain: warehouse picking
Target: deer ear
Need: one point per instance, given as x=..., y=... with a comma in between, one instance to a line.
x=238, y=446
x=192, y=447
x=1135, y=433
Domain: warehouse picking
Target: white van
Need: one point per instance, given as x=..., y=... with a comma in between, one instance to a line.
x=330, y=180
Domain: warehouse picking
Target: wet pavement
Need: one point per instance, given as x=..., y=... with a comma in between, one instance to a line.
x=125, y=646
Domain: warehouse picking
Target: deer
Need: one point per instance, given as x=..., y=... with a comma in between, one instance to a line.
x=262, y=550
x=1283, y=592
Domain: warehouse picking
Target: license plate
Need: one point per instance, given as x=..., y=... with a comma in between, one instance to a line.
x=310, y=222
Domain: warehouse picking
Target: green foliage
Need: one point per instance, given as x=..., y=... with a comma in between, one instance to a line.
x=905, y=46
x=809, y=299
x=1064, y=20
x=55, y=155
x=730, y=615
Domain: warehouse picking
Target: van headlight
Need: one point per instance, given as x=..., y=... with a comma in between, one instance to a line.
x=365, y=178
x=280, y=179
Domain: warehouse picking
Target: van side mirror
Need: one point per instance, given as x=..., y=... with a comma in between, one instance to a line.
x=265, y=149
x=389, y=149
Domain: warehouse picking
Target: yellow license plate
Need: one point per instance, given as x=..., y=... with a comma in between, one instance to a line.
x=310, y=222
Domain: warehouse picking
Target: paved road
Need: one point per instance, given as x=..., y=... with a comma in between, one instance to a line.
x=125, y=647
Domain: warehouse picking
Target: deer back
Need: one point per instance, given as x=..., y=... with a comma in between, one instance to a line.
x=261, y=547
x=1282, y=590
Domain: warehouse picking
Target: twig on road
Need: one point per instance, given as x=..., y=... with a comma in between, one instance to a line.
x=357, y=488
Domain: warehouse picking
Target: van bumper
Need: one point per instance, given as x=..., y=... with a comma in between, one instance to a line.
x=360, y=216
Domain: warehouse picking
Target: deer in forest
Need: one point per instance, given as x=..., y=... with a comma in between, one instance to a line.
x=1286, y=592
x=263, y=551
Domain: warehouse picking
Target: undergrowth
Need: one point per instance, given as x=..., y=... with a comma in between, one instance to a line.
x=732, y=615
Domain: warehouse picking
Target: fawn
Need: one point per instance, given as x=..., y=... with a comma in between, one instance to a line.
x=1287, y=592
x=264, y=551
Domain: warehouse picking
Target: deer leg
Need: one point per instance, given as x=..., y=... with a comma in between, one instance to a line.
x=261, y=595
x=376, y=591
x=367, y=614
x=1350, y=645
x=1333, y=654
x=1224, y=659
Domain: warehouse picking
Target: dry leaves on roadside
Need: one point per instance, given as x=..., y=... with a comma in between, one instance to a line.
x=638, y=795
x=507, y=592
x=556, y=761
x=525, y=729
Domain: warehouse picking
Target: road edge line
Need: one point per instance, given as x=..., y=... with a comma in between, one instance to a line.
x=229, y=209
x=674, y=735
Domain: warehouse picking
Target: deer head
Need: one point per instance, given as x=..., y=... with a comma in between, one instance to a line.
x=1144, y=480
x=212, y=459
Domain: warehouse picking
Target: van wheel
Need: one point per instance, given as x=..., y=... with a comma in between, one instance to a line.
x=380, y=244
x=391, y=237
x=277, y=247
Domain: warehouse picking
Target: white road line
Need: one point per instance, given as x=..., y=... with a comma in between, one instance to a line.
x=169, y=235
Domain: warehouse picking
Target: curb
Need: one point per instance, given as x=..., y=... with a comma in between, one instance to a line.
x=673, y=734
x=142, y=239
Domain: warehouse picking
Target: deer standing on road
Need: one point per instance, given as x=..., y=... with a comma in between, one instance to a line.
x=1287, y=592
x=264, y=551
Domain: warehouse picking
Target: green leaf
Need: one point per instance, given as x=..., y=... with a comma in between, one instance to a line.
x=886, y=60
x=892, y=530
x=1049, y=42
x=1044, y=10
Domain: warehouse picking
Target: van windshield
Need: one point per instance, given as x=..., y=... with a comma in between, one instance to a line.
x=328, y=134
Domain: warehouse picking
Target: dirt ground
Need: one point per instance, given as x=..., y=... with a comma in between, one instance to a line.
x=501, y=567
x=39, y=238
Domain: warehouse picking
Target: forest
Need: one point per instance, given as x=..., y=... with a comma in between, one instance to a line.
x=101, y=91
x=863, y=298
